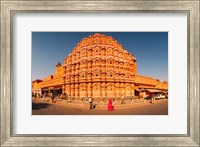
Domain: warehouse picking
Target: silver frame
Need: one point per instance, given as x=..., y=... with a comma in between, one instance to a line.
x=11, y=7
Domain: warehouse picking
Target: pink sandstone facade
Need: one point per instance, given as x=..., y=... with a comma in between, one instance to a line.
x=98, y=67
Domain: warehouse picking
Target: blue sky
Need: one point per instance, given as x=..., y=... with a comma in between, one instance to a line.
x=150, y=49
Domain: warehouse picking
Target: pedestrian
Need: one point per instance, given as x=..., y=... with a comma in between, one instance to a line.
x=44, y=96
x=122, y=99
x=110, y=106
x=90, y=101
x=66, y=98
x=52, y=97
x=152, y=100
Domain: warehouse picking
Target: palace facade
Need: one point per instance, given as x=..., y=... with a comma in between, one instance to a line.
x=98, y=67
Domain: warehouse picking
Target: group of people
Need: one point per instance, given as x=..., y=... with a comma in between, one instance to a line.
x=110, y=103
x=51, y=95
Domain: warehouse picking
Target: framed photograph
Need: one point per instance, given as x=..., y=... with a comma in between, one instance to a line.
x=100, y=73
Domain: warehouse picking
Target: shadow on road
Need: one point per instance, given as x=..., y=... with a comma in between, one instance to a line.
x=94, y=106
x=37, y=106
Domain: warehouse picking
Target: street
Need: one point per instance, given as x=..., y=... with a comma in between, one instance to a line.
x=159, y=107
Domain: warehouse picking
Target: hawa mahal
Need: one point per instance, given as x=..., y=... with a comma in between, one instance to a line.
x=98, y=67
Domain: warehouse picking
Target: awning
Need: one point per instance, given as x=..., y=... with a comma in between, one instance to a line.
x=51, y=88
x=154, y=90
x=138, y=90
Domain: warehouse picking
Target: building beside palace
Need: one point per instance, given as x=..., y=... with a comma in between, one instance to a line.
x=99, y=67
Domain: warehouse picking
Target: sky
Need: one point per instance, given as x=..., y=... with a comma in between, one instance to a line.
x=149, y=48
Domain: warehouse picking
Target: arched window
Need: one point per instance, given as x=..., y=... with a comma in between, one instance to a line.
x=110, y=74
x=74, y=57
x=89, y=75
x=96, y=62
x=82, y=75
x=96, y=40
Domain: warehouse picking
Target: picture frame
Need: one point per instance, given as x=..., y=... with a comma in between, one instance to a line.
x=9, y=8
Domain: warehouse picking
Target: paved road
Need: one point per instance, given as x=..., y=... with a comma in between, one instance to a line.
x=160, y=107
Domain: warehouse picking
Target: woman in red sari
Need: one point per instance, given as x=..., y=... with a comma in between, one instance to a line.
x=110, y=106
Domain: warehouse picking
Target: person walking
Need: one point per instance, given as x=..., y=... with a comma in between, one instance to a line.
x=152, y=100
x=90, y=101
x=66, y=98
x=110, y=106
x=122, y=99
x=52, y=97
x=44, y=95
